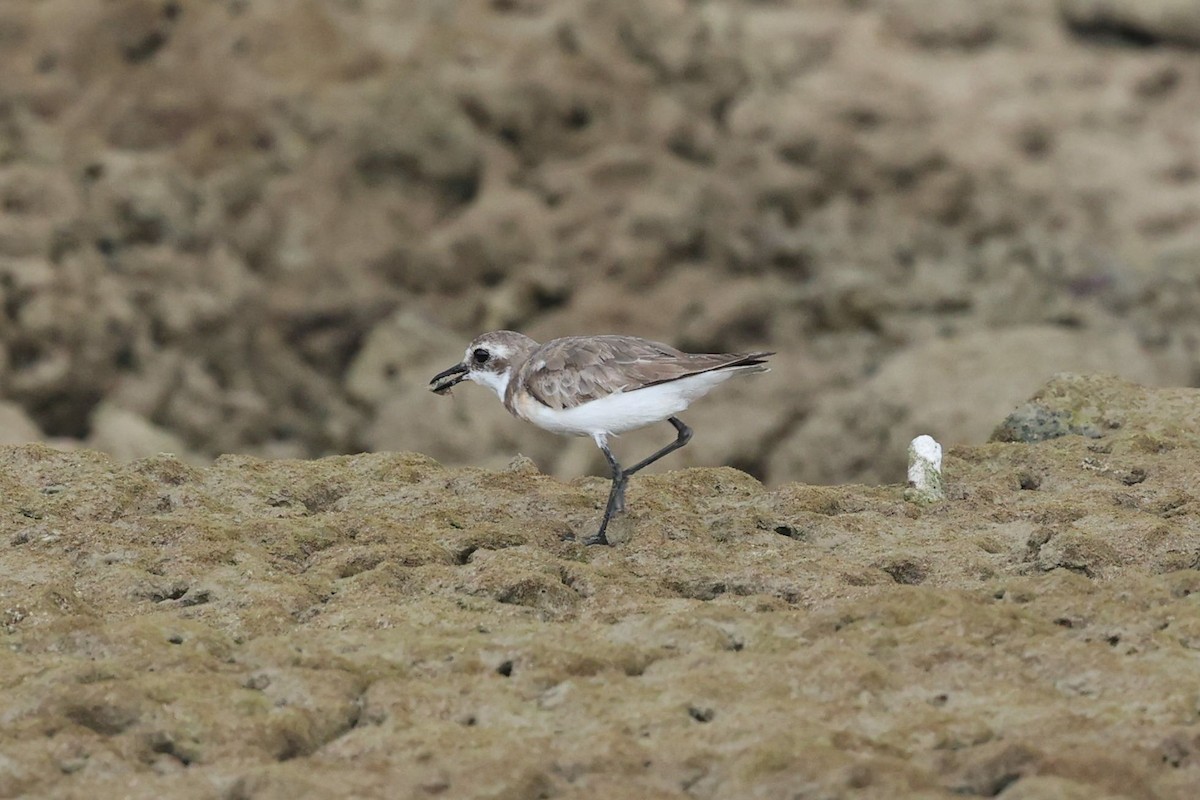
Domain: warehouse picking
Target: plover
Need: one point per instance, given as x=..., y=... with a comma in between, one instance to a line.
x=597, y=386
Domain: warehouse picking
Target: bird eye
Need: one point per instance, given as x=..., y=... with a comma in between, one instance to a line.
x=481, y=356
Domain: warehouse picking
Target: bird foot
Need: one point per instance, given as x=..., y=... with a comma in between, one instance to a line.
x=616, y=530
x=598, y=538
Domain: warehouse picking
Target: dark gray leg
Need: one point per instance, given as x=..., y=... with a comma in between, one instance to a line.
x=685, y=436
x=616, y=495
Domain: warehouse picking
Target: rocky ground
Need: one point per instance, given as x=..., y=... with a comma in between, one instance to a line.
x=258, y=227
x=247, y=233
x=383, y=626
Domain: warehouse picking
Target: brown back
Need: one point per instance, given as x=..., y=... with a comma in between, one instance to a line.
x=568, y=372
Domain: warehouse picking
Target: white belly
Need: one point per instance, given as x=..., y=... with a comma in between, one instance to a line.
x=624, y=411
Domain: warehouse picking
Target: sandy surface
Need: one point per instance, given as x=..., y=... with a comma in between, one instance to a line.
x=383, y=626
x=259, y=227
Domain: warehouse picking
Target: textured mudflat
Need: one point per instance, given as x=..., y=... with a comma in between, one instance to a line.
x=381, y=626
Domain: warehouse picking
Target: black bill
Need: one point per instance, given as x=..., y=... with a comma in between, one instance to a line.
x=448, y=378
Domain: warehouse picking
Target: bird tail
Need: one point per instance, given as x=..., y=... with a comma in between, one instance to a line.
x=748, y=364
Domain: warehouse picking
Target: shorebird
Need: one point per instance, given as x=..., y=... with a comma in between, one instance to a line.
x=597, y=386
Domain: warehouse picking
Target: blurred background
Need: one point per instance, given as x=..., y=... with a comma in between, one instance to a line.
x=260, y=226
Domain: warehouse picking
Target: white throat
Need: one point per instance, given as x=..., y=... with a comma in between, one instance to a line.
x=496, y=381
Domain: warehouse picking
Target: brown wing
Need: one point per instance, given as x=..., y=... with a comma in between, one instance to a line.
x=567, y=372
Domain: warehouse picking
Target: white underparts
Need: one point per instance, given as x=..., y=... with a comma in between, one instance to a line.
x=623, y=411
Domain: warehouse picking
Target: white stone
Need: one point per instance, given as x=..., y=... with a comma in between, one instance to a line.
x=925, y=470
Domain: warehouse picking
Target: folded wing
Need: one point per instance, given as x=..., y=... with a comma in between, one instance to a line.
x=569, y=372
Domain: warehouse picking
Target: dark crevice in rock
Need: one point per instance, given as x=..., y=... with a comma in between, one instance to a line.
x=1108, y=30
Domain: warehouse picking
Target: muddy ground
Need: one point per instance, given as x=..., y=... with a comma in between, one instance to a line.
x=259, y=227
x=383, y=626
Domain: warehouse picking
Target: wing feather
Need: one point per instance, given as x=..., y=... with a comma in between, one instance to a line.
x=567, y=372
